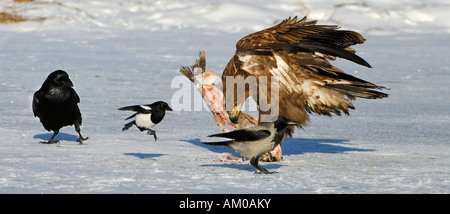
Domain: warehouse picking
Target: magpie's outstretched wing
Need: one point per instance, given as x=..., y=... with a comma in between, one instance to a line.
x=131, y=116
x=138, y=108
x=244, y=135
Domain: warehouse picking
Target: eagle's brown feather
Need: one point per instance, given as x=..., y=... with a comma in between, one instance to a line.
x=297, y=53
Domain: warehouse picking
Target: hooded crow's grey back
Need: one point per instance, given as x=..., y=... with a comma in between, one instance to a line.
x=253, y=142
x=146, y=116
x=56, y=104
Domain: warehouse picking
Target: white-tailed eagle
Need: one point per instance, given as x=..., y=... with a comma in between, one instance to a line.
x=296, y=53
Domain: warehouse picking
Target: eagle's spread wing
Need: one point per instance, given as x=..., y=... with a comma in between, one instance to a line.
x=296, y=53
x=303, y=36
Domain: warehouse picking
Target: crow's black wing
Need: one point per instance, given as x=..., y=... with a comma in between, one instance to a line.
x=74, y=95
x=244, y=135
x=37, y=99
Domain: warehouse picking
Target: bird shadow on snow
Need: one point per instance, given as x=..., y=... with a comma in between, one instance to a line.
x=292, y=146
x=144, y=155
x=295, y=146
x=60, y=136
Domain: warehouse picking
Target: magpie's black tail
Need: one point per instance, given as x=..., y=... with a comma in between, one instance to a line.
x=128, y=125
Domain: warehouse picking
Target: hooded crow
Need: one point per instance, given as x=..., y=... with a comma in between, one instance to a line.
x=56, y=104
x=146, y=116
x=255, y=141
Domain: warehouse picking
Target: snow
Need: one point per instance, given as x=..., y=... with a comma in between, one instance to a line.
x=120, y=53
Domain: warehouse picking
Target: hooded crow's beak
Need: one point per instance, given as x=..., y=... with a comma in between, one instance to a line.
x=284, y=120
x=292, y=123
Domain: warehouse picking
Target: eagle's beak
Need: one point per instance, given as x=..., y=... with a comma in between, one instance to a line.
x=234, y=114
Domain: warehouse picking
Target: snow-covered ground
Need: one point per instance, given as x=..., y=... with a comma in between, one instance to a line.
x=120, y=53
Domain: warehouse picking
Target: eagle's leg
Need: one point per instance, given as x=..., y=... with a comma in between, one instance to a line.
x=152, y=132
x=51, y=141
x=78, y=130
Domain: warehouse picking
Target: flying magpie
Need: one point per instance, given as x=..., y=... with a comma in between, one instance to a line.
x=56, y=104
x=146, y=116
x=255, y=141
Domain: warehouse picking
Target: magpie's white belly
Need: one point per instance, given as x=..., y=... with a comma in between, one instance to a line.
x=144, y=121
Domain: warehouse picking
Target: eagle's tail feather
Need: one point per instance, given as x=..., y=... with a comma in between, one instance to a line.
x=361, y=91
x=336, y=98
x=349, y=85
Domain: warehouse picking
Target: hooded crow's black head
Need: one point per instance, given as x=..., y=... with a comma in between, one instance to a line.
x=280, y=124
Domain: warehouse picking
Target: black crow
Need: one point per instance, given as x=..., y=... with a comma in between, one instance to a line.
x=255, y=141
x=146, y=116
x=56, y=104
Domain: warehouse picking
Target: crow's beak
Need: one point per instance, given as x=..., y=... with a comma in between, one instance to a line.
x=234, y=114
x=168, y=108
x=69, y=83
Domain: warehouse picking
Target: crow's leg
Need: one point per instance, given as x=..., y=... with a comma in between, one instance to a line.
x=152, y=132
x=51, y=141
x=254, y=162
x=77, y=128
